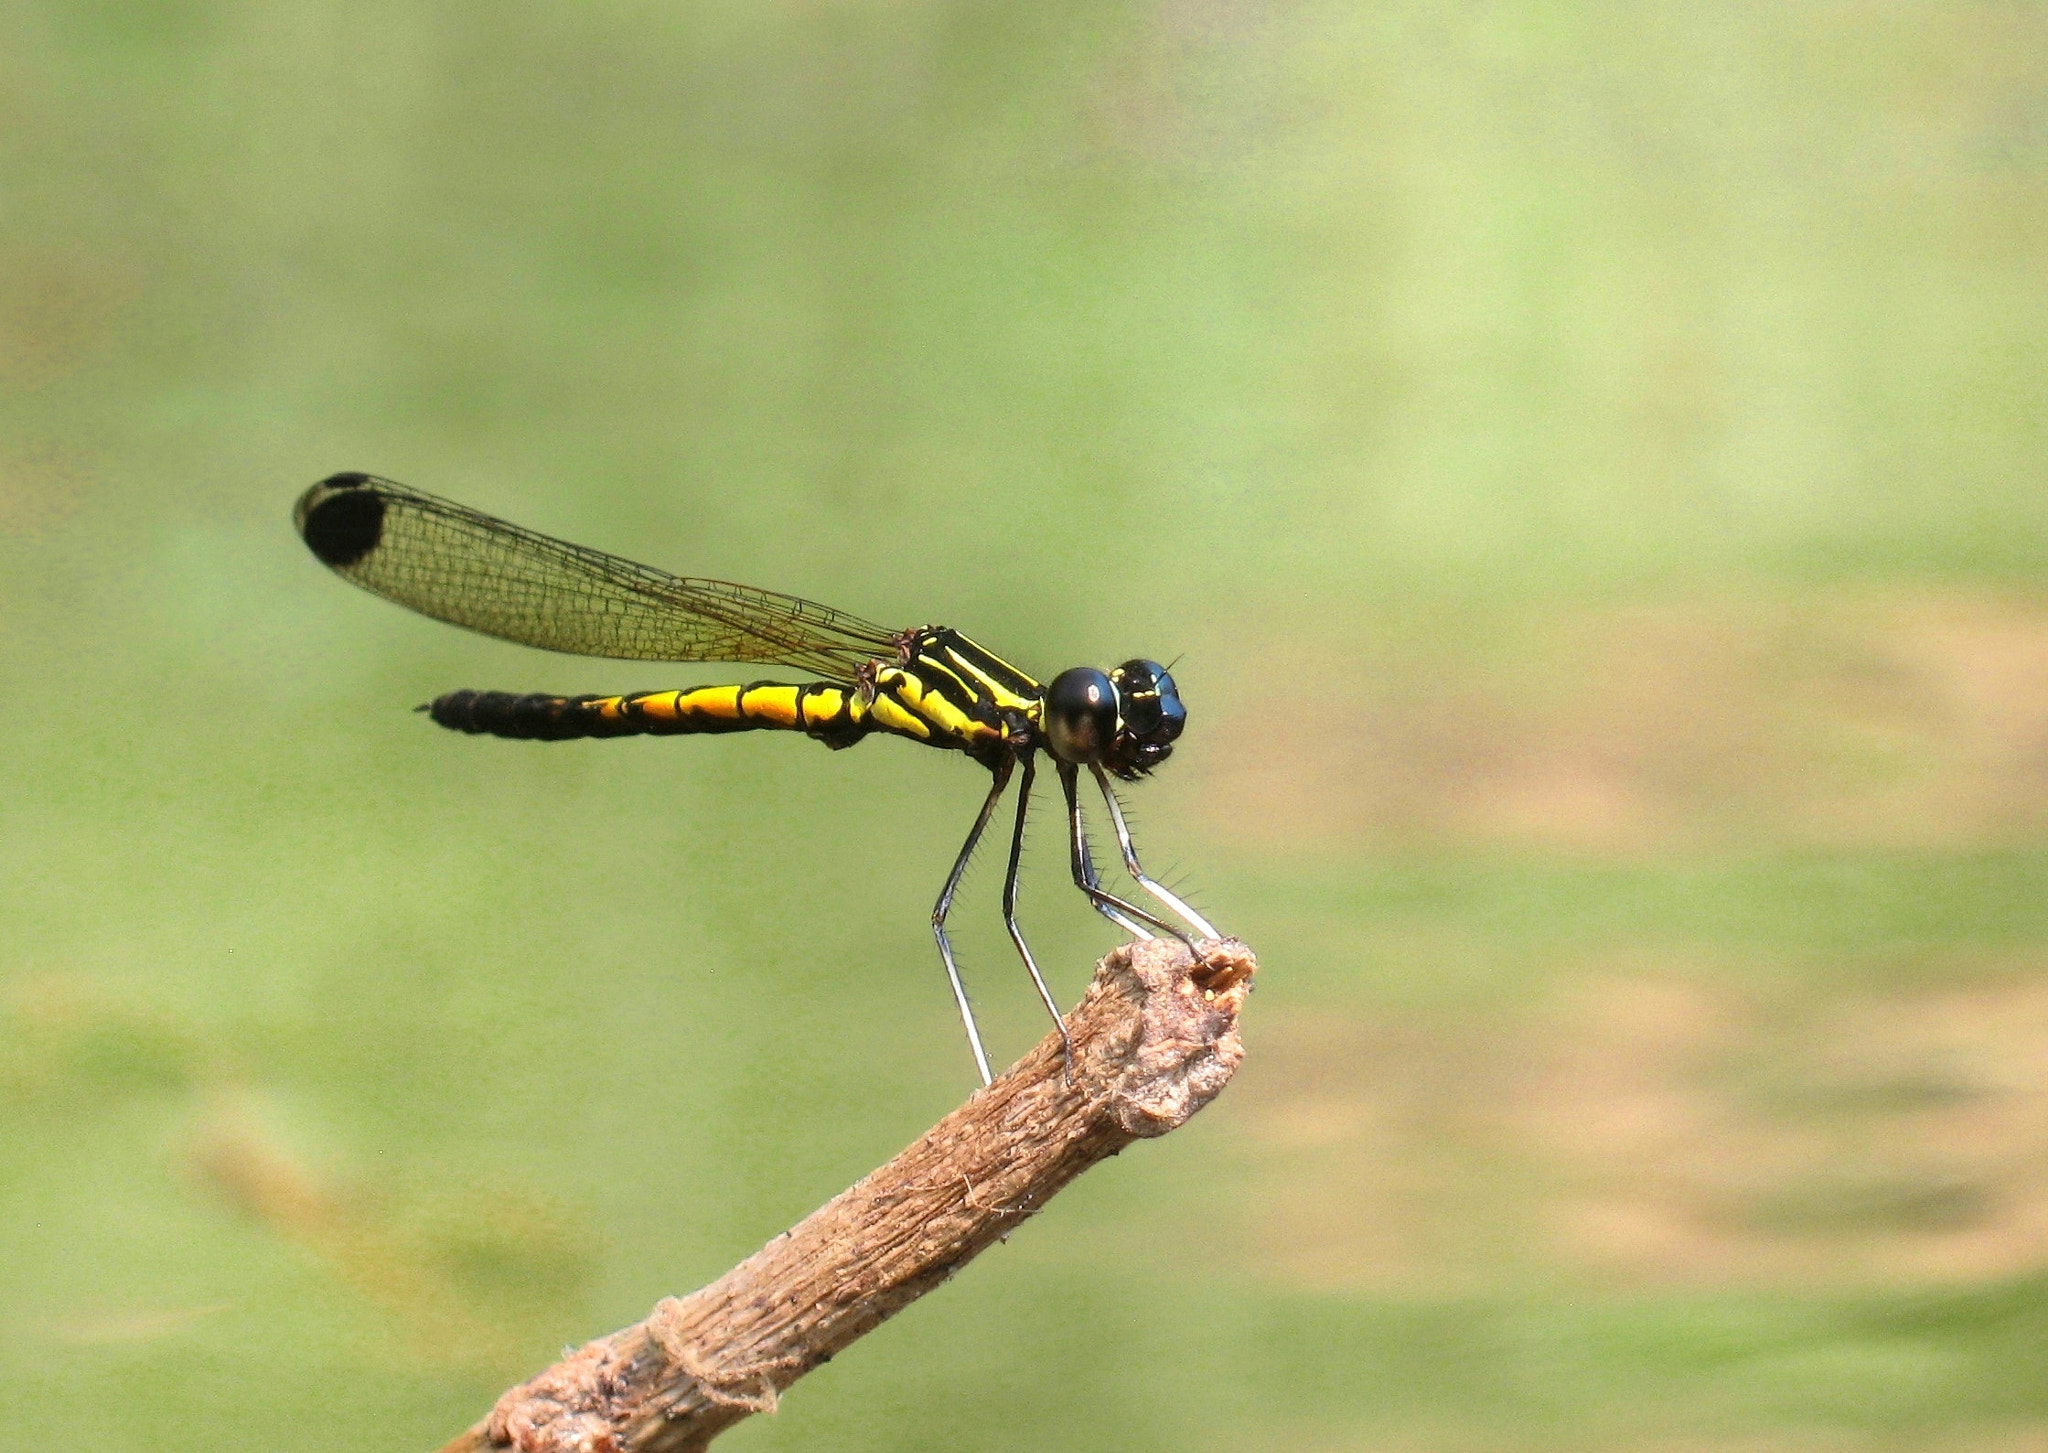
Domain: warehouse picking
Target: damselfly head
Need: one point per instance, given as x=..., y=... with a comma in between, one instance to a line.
x=1125, y=720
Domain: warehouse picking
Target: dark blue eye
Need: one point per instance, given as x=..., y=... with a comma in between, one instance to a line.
x=1080, y=715
x=1152, y=708
x=1172, y=715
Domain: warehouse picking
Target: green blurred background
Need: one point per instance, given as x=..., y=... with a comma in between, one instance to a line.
x=1589, y=462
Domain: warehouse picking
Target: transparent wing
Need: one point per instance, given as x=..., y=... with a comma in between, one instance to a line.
x=455, y=564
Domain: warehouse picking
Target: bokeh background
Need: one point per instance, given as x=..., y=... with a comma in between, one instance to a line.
x=1589, y=461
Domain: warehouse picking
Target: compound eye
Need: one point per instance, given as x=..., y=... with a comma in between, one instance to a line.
x=1151, y=702
x=1172, y=715
x=1080, y=715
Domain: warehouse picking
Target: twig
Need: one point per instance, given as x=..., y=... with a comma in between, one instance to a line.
x=1155, y=1038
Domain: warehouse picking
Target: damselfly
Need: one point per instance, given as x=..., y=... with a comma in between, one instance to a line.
x=930, y=684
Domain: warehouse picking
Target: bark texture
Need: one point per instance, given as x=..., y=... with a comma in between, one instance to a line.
x=1154, y=1039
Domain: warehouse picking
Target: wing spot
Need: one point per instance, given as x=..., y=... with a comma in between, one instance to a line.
x=342, y=528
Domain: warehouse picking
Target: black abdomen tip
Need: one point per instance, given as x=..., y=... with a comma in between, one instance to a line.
x=340, y=520
x=452, y=710
x=534, y=716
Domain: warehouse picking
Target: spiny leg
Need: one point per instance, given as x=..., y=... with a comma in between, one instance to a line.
x=1130, y=852
x=1090, y=878
x=945, y=906
x=1010, y=905
x=1083, y=869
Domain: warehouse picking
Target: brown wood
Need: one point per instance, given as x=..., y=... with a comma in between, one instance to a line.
x=1155, y=1038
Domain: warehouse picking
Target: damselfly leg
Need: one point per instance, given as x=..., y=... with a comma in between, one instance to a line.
x=945, y=906
x=1130, y=852
x=1010, y=905
x=1101, y=897
x=1090, y=878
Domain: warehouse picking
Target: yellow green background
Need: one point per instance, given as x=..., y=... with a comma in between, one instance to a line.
x=1587, y=461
